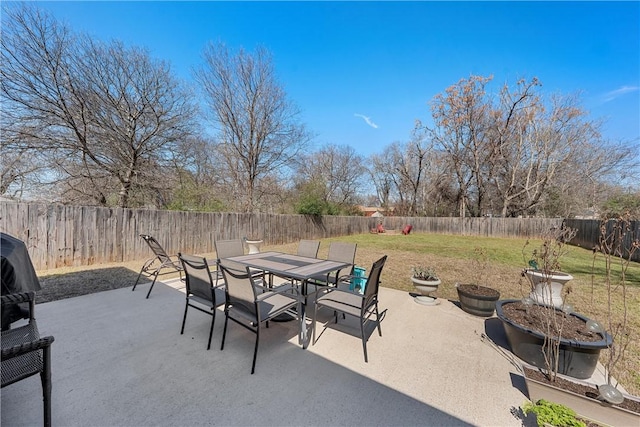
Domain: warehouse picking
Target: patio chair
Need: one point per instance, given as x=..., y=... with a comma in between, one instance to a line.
x=202, y=289
x=250, y=305
x=25, y=353
x=154, y=266
x=309, y=248
x=338, y=251
x=230, y=248
x=361, y=306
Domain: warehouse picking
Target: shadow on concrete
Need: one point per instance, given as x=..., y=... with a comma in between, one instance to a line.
x=62, y=286
x=119, y=359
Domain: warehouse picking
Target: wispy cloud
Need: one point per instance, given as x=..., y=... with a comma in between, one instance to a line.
x=610, y=96
x=367, y=120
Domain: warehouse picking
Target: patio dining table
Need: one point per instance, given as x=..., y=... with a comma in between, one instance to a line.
x=298, y=268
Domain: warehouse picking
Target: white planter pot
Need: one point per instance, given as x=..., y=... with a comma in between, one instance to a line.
x=425, y=288
x=254, y=246
x=547, y=288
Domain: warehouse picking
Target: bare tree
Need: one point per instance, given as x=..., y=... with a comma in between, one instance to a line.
x=381, y=174
x=514, y=154
x=337, y=169
x=20, y=168
x=259, y=134
x=461, y=119
x=408, y=174
x=107, y=115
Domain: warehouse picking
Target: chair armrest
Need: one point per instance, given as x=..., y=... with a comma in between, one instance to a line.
x=18, y=298
x=18, y=350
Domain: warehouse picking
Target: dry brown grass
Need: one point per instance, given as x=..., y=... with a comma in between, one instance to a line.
x=453, y=263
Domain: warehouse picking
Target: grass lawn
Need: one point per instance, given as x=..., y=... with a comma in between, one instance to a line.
x=454, y=258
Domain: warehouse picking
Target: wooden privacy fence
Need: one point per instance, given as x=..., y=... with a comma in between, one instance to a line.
x=60, y=235
x=589, y=231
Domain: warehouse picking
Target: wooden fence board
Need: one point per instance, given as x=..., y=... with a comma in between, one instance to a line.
x=58, y=235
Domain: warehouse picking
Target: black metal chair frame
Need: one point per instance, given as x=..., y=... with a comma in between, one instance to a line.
x=250, y=313
x=347, y=302
x=161, y=261
x=194, y=296
x=25, y=353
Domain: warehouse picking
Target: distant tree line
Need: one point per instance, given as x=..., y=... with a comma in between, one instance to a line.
x=90, y=122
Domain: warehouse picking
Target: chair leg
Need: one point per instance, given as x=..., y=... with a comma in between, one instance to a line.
x=184, y=318
x=378, y=320
x=213, y=321
x=255, y=351
x=364, y=340
x=313, y=321
x=152, y=283
x=224, y=331
x=45, y=376
x=138, y=279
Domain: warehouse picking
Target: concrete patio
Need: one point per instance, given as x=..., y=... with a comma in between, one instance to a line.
x=119, y=360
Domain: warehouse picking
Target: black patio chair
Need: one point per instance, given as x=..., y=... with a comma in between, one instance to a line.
x=161, y=261
x=250, y=305
x=361, y=306
x=25, y=353
x=204, y=289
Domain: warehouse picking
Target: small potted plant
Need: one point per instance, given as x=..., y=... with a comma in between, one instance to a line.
x=426, y=281
x=475, y=298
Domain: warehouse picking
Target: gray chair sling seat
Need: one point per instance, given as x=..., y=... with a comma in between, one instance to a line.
x=338, y=251
x=250, y=304
x=309, y=248
x=362, y=307
x=25, y=353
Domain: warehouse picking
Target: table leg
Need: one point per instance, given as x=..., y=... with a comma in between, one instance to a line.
x=304, y=335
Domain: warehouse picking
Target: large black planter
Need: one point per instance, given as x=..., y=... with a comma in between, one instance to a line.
x=577, y=359
x=477, y=303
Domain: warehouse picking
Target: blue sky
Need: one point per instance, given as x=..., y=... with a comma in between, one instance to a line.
x=363, y=72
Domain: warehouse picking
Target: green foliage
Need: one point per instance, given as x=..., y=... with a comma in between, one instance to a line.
x=554, y=414
x=621, y=204
x=310, y=205
x=422, y=272
x=312, y=202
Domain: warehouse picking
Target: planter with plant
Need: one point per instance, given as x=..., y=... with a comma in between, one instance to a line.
x=553, y=414
x=476, y=298
x=604, y=403
x=547, y=336
x=426, y=281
